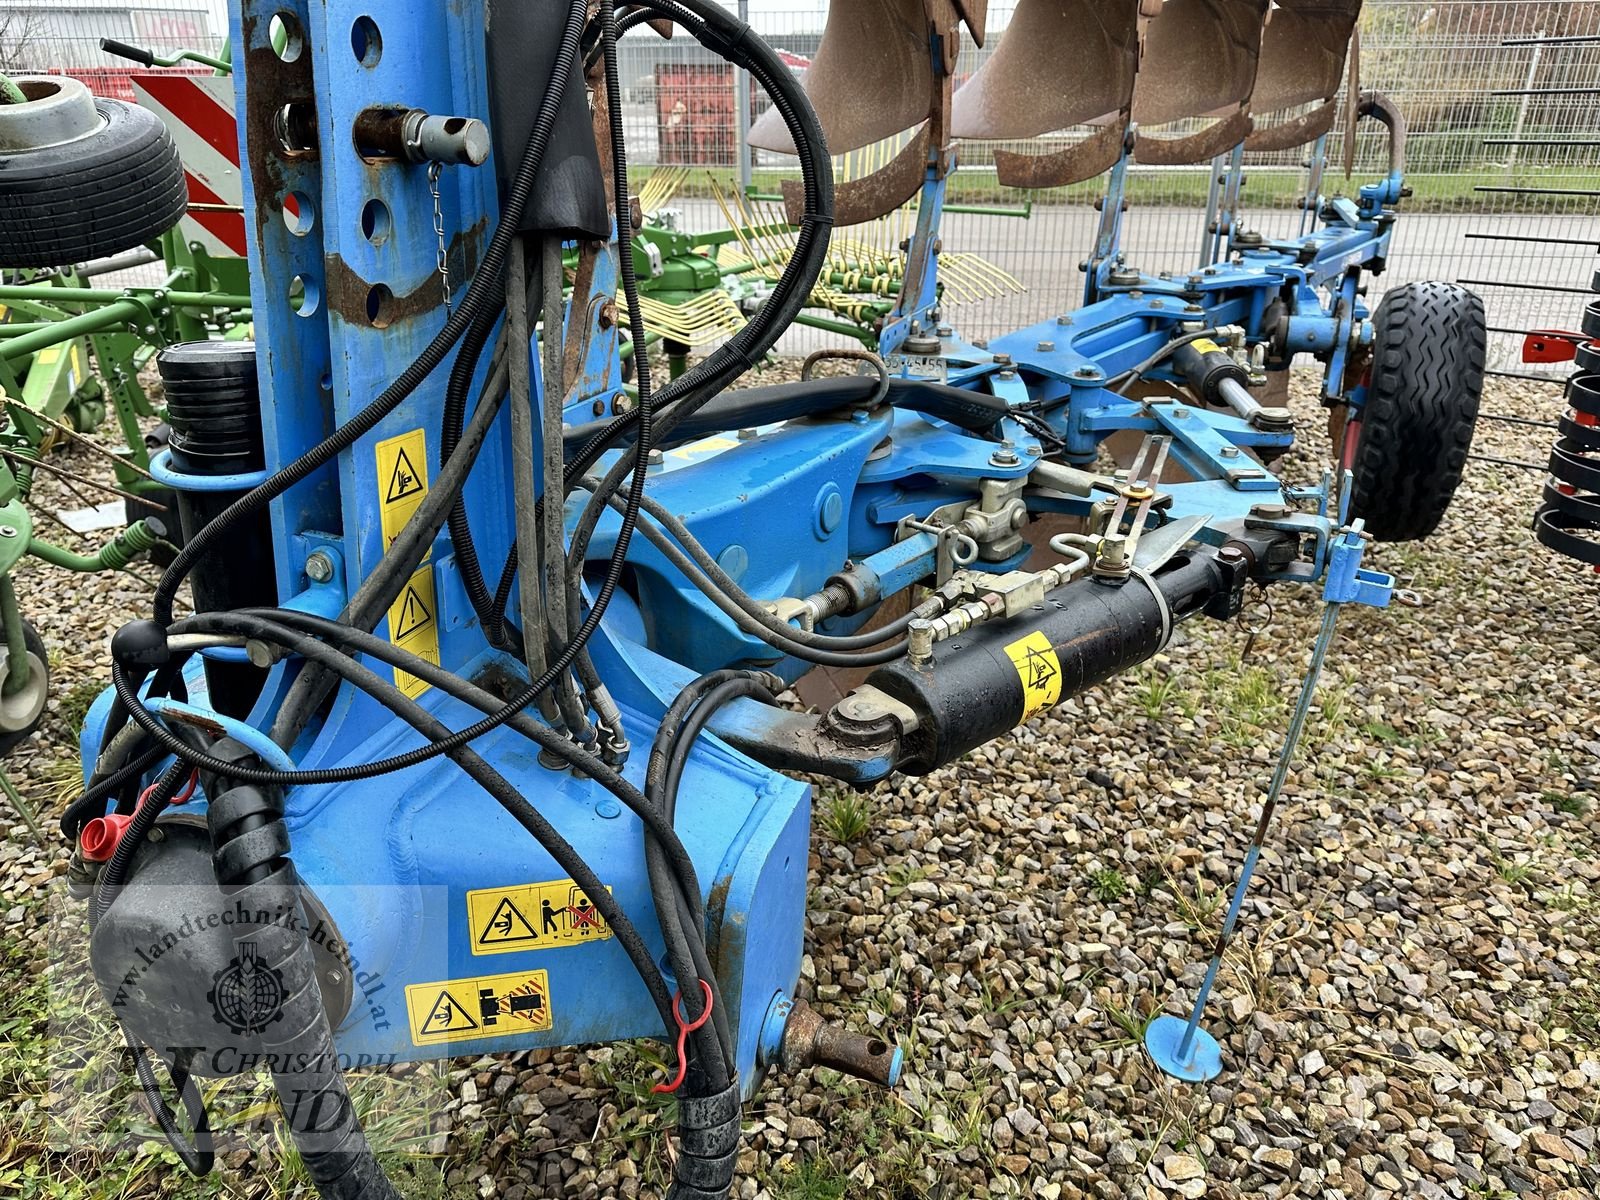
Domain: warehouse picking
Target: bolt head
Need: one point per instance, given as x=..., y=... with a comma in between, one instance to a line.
x=1047, y=347
x=319, y=567
x=7, y=531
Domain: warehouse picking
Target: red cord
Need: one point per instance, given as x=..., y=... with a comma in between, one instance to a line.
x=684, y=1030
x=188, y=790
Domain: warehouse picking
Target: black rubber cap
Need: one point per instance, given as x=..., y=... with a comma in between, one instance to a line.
x=140, y=647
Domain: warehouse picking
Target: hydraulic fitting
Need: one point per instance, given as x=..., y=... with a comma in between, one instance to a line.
x=418, y=136
x=795, y=1036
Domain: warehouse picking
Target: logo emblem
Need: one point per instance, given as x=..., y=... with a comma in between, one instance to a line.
x=247, y=995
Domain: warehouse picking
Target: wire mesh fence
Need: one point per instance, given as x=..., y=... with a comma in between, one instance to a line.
x=1502, y=97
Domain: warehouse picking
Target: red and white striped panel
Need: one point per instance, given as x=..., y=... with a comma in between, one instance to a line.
x=198, y=110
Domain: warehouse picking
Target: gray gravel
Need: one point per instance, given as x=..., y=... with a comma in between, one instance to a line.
x=1411, y=1006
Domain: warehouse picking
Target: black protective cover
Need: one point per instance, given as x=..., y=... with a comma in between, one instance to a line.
x=569, y=196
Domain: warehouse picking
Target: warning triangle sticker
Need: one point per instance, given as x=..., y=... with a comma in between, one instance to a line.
x=414, y=615
x=403, y=480
x=506, y=924
x=447, y=1016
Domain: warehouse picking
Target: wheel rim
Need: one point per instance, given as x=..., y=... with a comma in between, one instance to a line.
x=21, y=709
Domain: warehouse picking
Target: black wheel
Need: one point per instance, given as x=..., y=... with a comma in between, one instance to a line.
x=1408, y=446
x=96, y=177
x=21, y=711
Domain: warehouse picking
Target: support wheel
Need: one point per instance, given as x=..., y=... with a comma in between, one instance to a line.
x=1408, y=445
x=21, y=711
x=82, y=178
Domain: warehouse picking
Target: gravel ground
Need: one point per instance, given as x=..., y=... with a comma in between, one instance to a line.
x=1410, y=1008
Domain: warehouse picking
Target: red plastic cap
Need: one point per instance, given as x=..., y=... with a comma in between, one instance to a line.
x=101, y=836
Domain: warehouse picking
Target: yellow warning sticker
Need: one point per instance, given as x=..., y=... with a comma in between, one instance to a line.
x=414, y=626
x=1040, y=672
x=402, y=481
x=466, y=1010
x=533, y=916
x=1206, y=346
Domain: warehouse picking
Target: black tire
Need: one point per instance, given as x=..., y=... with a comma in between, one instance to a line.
x=38, y=661
x=117, y=188
x=1422, y=405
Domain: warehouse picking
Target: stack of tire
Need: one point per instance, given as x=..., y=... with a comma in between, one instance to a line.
x=1569, y=520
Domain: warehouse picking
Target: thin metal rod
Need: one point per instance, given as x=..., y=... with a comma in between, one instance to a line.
x=1291, y=742
x=1483, y=416
x=72, y=433
x=1547, y=92
x=1529, y=376
x=1542, y=468
x=1535, y=191
x=1519, y=141
x=22, y=806
x=1529, y=237
x=1576, y=39
x=1527, y=287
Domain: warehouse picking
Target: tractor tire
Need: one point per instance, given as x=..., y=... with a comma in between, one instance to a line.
x=1412, y=436
x=21, y=713
x=82, y=178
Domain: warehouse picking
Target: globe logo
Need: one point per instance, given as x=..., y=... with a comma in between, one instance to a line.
x=247, y=995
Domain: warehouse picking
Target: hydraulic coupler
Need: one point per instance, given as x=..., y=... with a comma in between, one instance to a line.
x=996, y=675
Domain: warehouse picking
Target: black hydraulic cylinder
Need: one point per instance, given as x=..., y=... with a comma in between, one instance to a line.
x=214, y=409
x=1204, y=365
x=988, y=680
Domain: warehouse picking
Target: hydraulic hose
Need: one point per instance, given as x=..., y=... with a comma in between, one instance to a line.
x=251, y=857
x=479, y=293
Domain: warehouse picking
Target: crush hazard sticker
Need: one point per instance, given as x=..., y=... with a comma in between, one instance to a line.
x=402, y=481
x=533, y=916
x=414, y=626
x=1040, y=671
x=490, y=1006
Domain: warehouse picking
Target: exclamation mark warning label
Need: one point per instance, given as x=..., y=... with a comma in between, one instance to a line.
x=414, y=626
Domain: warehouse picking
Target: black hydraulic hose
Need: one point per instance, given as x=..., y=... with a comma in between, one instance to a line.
x=250, y=856
x=115, y=873
x=92, y=802
x=726, y=584
x=373, y=598
x=479, y=293
x=250, y=621
x=750, y=624
x=496, y=785
x=732, y=40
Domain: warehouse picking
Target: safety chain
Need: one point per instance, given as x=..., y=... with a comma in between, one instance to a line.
x=434, y=170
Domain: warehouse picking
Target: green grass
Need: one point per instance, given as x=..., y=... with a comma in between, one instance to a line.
x=1433, y=191
x=1567, y=802
x=1108, y=884
x=846, y=816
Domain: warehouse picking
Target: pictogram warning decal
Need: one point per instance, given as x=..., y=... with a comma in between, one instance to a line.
x=402, y=481
x=414, y=626
x=533, y=916
x=1039, y=670
x=490, y=1006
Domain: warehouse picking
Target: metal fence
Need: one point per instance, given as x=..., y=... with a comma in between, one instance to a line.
x=1503, y=98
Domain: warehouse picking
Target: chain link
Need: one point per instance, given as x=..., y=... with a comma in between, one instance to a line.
x=434, y=170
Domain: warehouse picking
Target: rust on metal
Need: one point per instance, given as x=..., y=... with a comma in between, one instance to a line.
x=869, y=79
x=1084, y=160
x=1215, y=139
x=1296, y=131
x=1200, y=59
x=857, y=201
x=1023, y=91
x=809, y=1041
x=349, y=294
x=276, y=88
